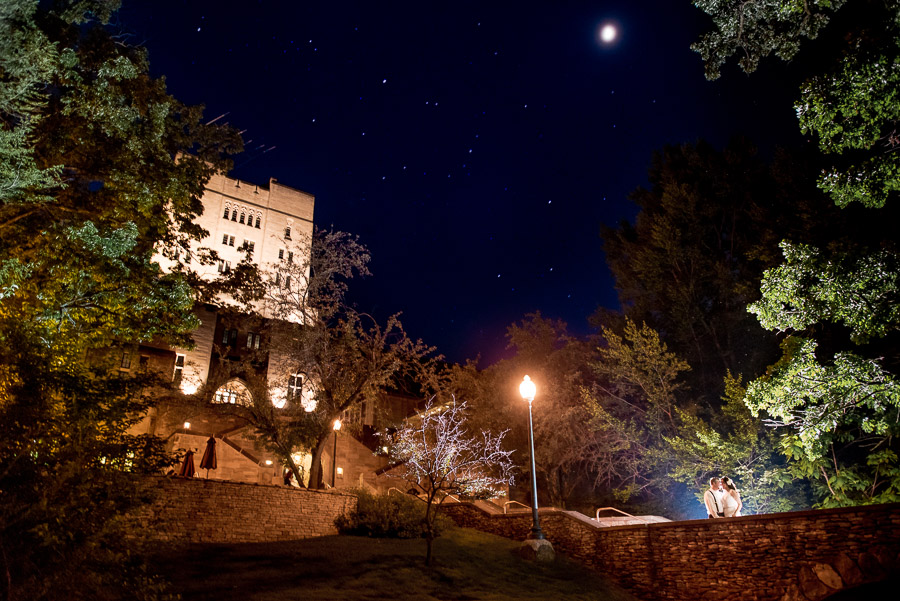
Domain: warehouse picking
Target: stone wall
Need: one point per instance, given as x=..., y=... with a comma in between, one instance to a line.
x=805, y=555
x=193, y=510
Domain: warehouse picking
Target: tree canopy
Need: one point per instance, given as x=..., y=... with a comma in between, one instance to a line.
x=100, y=169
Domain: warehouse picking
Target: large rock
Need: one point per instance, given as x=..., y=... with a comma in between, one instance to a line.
x=849, y=571
x=535, y=549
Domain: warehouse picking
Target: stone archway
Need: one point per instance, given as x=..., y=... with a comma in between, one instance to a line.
x=878, y=567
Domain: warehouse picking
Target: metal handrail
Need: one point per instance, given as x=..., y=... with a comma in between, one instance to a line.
x=398, y=490
x=517, y=503
x=599, y=509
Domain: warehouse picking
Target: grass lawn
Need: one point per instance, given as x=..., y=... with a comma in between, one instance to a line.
x=468, y=565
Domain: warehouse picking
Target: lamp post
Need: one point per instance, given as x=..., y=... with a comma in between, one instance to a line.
x=337, y=428
x=528, y=390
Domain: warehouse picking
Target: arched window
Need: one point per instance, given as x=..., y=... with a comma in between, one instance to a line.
x=287, y=233
x=233, y=392
x=243, y=217
x=227, y=211
x=257, y=222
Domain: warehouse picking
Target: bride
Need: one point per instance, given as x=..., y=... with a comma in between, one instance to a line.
x=731, y=500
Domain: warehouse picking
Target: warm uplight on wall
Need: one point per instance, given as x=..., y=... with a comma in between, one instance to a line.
x=337, y=425
x=268, y=462
x=340, y=472
x=187, y=425
x=188, y=388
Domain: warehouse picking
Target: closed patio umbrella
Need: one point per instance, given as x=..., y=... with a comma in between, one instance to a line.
x=208, y=462
x=187, y=468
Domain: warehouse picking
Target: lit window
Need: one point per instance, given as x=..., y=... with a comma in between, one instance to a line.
x=253, y=340
x=179, y=369
x=232, y=393
x=221, y=266
x=126, y=360
x=287, y=233
x=295, y=386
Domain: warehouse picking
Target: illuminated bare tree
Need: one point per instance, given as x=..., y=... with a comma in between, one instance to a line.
x=440, y=455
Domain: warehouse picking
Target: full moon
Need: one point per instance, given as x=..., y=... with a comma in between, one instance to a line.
x=608, y=33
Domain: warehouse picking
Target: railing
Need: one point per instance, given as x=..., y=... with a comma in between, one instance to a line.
x=599, y=509
x=505, y=505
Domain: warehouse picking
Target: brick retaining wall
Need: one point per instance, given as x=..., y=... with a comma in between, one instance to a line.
x=798, y=555
x=195, y=510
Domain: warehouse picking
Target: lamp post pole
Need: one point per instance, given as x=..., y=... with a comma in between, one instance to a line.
x=527, y=390
x=337, y=428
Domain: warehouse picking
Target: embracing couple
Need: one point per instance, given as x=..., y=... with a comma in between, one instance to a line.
x=722, y=499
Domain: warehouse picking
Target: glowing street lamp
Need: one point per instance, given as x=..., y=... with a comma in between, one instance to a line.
x=527, y=389
x=337, y=428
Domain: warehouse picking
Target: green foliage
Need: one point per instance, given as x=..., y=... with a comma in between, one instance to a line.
x=756, y=29
x=387, y=516
x=835, y=385
x=736, y=444
x=707, y=228
x=99, y=170
x=860, y=291
x=633, y=407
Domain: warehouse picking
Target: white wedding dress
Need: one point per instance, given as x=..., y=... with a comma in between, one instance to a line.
x=730, y=506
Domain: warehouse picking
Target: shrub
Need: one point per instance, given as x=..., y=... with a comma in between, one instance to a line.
x=385, y=516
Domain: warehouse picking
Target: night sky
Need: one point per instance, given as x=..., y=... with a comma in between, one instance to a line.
x=475, y=148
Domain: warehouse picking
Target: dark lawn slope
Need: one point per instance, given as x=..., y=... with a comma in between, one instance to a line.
x=469, y=565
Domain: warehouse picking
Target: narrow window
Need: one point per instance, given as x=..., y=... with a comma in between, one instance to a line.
x=295, y=386
x=278, y=279
x=179, y=369
x=287, y=282
x=241, y=220
x=257, y=222
x=221, y=266
x=252, y=340
x=290, y=257
x=227, y=266
x=280, y=254
x=225, y=335
x=233, y=341
x=230, y=240
x=226, y=213
x=249, y=245
x=225, y=239
x=126, y=360
x=287, y=233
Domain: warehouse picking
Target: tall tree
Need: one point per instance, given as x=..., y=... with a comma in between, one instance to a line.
x=100, y=170
x=836, y=383
x=707, y=228
x=633, y=406
x=323, y=356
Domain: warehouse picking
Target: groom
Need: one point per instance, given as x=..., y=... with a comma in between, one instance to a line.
x=713, y=499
